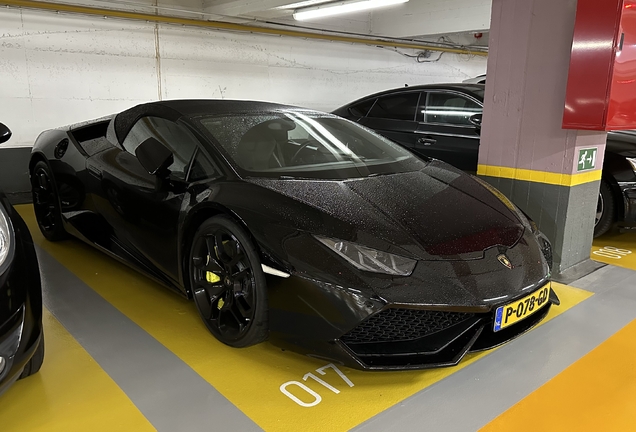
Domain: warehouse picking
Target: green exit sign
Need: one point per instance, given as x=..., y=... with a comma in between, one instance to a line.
x=587, y=159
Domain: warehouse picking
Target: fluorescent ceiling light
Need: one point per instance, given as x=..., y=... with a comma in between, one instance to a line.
x=302, y=4
x=342, y=7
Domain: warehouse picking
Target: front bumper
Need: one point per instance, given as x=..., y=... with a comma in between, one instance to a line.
x=367, y=332
x=431, y=318
x=11, y=361
x=421, y=339
x=20, y=303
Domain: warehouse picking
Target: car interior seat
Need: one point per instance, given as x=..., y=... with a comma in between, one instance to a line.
x=261, y=146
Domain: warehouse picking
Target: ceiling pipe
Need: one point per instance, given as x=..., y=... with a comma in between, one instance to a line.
x=165, y=19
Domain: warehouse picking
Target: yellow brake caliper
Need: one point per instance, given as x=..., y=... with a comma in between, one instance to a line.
x=214, y=278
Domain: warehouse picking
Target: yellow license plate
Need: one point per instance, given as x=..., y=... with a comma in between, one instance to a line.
x=514, y=312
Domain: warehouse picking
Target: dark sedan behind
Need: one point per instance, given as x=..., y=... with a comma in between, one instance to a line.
x=442, y=121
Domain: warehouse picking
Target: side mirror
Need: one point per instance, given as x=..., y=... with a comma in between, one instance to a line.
x=154, y=156
x=5, y=133
x=475, y=119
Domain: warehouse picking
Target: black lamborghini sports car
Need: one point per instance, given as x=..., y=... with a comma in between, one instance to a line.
x=301, y=227
x=21, y=335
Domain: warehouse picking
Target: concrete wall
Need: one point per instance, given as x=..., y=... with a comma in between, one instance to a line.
x=429, y=17
x=61, y=69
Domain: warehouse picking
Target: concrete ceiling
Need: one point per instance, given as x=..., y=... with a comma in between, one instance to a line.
x=419, y=19
x=415, y=18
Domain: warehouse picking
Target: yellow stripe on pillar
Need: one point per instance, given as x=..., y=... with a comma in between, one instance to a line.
x=597, y=393
x=545, y=177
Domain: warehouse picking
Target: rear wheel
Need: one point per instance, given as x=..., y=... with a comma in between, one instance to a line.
x=605, y=214
x=228, y=283
x=46, y=204
x=34, y=365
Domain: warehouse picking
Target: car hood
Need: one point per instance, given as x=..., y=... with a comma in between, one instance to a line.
x=437, y=213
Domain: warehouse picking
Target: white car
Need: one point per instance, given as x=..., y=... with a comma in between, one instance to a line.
x=480, y=79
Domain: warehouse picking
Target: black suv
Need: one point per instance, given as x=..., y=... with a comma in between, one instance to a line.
x=442, y=121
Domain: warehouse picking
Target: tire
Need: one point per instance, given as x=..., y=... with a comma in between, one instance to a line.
x=605, y=210
x=228, y=284
x=46, y=203
x=34, y=365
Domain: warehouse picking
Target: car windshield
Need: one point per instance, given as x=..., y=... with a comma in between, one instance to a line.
x=302, y=144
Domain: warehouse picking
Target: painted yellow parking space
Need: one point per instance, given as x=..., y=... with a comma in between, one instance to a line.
x=70, y=393
x=252, y=378
x=597, y=393
x=616, y=249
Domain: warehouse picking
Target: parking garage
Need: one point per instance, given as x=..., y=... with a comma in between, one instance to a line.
x=323, y=215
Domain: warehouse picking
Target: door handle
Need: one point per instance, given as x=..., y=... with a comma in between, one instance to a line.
x=426, y=141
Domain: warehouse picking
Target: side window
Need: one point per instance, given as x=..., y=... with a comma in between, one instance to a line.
x=202, y=168
x=450, y=108
x=361, y=109
x=396, y=107
x=174, y=136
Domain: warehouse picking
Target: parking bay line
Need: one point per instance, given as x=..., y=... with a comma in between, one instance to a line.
x=250, y=378
x=150, y=375
x=519, y=367
x=598, y=392
x=70, y=393
x=616, y=249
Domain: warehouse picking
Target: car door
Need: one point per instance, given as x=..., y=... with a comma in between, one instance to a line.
x=444, y=129
x=142, y=209
x=394, y=117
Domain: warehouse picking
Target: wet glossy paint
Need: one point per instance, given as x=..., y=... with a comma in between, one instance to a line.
x=442, y=217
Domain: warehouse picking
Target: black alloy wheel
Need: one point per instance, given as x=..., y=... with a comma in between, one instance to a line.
x=605, y=210
x=46, y=204
x=228, y=284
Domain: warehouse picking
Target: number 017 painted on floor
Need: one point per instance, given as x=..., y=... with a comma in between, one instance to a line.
x=514, y=312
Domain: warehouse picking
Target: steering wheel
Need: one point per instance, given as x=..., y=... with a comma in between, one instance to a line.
x=302, y=147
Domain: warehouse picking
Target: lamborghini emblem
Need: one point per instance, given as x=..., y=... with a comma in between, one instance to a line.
x=503, y=259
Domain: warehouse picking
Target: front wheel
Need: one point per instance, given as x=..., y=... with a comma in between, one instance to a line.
x=604, y=210
x=228, y=284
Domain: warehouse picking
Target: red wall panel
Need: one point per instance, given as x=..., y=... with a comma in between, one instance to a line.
x=621, y=113
x=601, y=89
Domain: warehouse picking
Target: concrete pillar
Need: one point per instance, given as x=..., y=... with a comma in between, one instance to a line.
x=524, y=151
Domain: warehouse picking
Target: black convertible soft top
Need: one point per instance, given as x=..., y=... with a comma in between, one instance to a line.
x=175, y=109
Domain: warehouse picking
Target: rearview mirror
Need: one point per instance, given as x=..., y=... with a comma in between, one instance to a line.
x=476, y=120
x=154, y=156
x=5, y=133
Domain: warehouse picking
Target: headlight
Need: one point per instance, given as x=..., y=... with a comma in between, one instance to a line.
x=371, y=260
x=632, y=161
x=6, y=240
